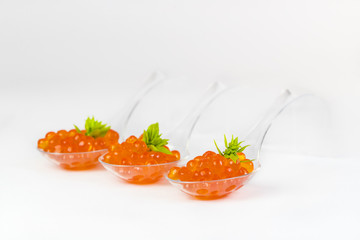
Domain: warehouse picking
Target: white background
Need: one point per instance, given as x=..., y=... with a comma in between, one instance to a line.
x=61, y=61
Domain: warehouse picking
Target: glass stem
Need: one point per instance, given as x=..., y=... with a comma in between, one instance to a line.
x=126, y=113
x=182, y=133
x=257, y=135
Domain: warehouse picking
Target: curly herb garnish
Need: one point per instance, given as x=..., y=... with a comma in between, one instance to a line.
x=153, y=139
x=94, y=128
x=232, y=149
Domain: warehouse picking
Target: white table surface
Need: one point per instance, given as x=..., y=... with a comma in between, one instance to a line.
x=293, y=196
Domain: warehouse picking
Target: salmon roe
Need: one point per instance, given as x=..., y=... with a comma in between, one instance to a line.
x=71, y=141
x=212, y=166
x=134, y=151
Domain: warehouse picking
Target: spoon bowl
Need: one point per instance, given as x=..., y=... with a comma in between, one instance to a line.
x=74, y=161
x=213, y=189
x=138, y=174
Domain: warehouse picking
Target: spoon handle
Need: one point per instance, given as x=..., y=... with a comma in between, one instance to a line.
x=120, y=124
x=181, y=134
x=257, y=135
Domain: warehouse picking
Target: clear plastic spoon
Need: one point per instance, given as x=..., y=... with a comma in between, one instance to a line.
x=213, y=189
x=85, y=160
x=179, y=136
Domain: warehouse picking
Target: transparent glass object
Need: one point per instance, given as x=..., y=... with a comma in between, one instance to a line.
x=219, y=188
x=85, y=160
x=75, y=161
x=179, y=136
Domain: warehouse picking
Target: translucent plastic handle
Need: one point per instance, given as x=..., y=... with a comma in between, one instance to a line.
x=180, y=135
x=257, y=135
x=152, y=80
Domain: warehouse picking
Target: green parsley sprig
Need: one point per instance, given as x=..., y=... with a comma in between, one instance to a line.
x=232, y=148
x=153, y=140
x=94, y=128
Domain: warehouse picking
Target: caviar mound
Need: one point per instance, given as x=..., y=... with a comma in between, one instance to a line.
x=74, y=142
x=212, y=175
x=134, y=162
x=134, y=151
x=212, y=166
x=78, y=149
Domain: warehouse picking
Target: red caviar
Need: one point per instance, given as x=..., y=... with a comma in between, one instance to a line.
x=72, y=141
x=134, y=151
x=212, y=166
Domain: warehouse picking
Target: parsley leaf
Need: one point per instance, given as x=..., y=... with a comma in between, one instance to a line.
x=94, y=128
x=232, y=148
x=153, y=140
